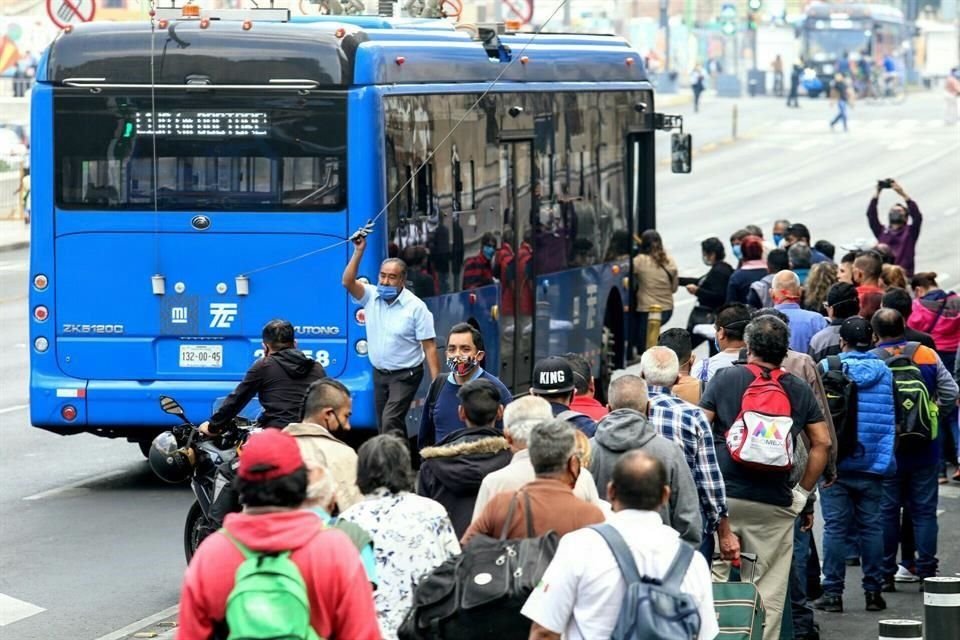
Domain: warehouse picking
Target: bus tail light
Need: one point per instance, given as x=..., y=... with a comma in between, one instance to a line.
x=41, y=344
x=361, y=347
x=361, y=317
x=40, y=282
x=68, y=412
x=40, y=313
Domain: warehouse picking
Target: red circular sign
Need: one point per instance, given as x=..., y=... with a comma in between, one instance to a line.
x=521, y=9
x=64, y=12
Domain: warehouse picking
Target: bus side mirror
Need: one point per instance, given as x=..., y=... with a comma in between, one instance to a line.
x=681, y=152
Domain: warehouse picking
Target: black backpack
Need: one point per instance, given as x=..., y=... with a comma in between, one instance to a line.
x=842, y=401
x=478, y=594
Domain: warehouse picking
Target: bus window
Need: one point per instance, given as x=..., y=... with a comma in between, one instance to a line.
x=285, y=154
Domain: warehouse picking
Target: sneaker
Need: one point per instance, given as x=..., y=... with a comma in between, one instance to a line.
x=905, y=575
x=829, y=603
x=888, y=586
x=956, y=475
x=875, y=601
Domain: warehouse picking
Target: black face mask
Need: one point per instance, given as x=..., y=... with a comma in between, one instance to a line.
x=897, y=217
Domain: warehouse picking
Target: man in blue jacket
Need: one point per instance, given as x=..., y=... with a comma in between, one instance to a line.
x=858, y=491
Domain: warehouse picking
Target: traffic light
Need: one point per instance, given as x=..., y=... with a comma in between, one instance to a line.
x=728, y=19
x=754, y=5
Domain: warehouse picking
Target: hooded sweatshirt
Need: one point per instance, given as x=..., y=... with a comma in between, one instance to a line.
x=876, y=419
x=902, y=241
x=626, y=429
x=453, y=471
x=341, y=600
x=280, y=380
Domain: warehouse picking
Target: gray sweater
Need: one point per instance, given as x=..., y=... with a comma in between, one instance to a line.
x=626, y=429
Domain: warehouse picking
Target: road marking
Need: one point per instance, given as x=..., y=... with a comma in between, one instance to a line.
x=140, y=624
x=49, y=493
x=949, y=212
x=12, y=610
x=809, y=207
x=14, y=408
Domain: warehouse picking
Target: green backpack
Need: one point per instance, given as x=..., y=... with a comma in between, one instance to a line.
x=269, y=599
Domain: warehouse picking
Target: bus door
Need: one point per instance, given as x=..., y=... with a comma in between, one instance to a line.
x=517, y=306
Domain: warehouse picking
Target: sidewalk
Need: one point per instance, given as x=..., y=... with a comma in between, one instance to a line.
x=14, y=234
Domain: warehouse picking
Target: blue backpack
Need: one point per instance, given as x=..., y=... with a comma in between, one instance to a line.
x=652, y=609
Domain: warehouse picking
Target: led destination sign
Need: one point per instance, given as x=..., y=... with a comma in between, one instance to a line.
x=200, y=124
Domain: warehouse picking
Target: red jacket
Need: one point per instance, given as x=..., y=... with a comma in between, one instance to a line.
x=341, y=601
x=589, y=407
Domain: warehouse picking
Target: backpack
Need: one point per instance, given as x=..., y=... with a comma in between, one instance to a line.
x=761, y=436
x=917, y=413
x=269, y=598
x=478, y=594
x=652, y=609
x=842, y=400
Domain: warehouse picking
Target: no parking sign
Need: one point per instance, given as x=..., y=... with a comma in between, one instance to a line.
x=66, y=12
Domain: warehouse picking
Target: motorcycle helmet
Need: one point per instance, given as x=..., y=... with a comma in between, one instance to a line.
x=171, y=462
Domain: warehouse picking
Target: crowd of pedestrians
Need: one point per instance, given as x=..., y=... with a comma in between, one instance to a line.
x=824, y=380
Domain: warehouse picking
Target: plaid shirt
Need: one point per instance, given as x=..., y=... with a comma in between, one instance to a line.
x=687, y=425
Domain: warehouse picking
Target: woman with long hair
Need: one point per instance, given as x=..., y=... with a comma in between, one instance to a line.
x=710, y=288
x=822, y=276
x=893, y=276
x=656, y=280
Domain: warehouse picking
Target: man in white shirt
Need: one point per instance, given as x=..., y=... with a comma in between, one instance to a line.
x=582, y=590
x=519, y=419
x=732, y=321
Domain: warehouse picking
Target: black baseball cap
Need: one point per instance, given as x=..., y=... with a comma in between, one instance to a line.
x=857, y=333
x=551, y=376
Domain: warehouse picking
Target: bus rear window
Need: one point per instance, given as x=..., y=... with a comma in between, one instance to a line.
x=203, y=152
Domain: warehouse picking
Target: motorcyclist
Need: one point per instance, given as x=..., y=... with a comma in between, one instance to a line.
x=280, y=379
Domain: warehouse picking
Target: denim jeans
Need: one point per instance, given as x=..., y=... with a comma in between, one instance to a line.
x=857, y=498
x=918, y=492
x=799, y=606
x=841, y=114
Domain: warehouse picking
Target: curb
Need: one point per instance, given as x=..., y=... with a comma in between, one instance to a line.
x=14, y=246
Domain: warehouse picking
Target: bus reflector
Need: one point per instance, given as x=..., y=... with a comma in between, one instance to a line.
x=400, y=60
x=361, y=317
x=163, y=24
x=71, y=393
x=68, y=413
x=247, y=25
x=512, y=25
x=361, y=347
x=615, y=268
x=41, y=344
x=40, y=313
x=204, y=23
x=629, y=62
x=339, y=33
x=524, y=59
x=190, y=11
x=40, y=282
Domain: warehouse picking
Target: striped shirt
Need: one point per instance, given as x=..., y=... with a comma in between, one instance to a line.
x=687, y=425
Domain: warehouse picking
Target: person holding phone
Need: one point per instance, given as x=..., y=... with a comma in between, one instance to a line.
x=904, y=225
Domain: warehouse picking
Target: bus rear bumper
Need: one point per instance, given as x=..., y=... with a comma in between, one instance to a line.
x=119, y=407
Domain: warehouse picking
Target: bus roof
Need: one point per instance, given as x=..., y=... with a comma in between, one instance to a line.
x=365, y=50
x=826, y=10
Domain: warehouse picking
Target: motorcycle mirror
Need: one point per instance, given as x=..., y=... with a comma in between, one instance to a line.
x=171, y=406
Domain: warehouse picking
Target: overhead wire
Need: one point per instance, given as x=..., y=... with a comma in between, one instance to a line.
x=430, y=155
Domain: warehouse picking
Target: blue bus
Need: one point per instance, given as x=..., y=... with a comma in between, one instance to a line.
x=196, y=179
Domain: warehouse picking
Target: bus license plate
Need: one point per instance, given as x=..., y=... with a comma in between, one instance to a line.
x=207, y=356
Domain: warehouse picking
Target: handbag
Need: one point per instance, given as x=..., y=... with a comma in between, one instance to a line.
x=701, y=315
x=479, y=593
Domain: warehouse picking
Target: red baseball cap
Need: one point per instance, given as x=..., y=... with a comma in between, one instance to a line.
x=268, y=455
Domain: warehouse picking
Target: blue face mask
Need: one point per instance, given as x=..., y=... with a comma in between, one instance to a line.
x=737, y=252
x=387, y=292
x=777, y=237
x=488, y=252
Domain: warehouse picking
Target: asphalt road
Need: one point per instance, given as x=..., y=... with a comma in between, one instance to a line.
x=88, y=535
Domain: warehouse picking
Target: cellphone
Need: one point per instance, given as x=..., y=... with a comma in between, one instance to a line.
x=884, y=184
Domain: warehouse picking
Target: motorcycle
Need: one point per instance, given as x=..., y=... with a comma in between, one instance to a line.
x=201, y=456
